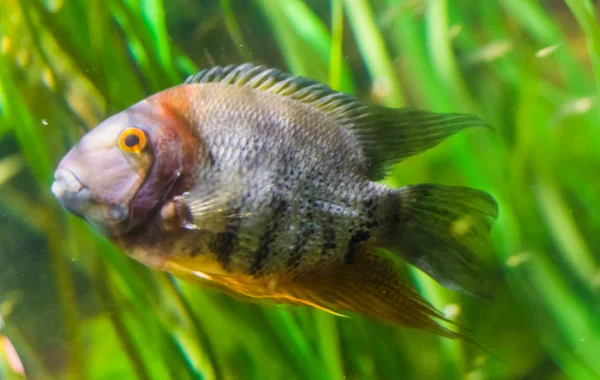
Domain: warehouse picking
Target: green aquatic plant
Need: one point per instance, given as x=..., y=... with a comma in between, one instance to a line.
x=75, y=307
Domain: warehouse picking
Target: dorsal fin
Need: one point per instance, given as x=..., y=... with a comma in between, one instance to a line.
x=274, y=81
x=386, y=135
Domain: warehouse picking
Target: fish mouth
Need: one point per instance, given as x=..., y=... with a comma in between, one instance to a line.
x=65, y=181
x=76, y=198
x=70, y=192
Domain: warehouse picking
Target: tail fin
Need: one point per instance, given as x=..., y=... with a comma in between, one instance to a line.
x=443, y=231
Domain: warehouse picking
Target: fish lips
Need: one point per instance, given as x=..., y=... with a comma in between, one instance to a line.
x=75, y=197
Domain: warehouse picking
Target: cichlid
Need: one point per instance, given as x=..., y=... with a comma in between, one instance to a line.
x=265, y=184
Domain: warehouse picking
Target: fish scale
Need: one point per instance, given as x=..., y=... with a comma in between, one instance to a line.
x=331, y=212
x=277, y=250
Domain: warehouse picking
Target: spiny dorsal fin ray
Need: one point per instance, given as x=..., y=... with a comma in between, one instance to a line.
x=387, y=135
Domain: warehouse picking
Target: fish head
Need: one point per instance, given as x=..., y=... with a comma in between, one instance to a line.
x=121, y=170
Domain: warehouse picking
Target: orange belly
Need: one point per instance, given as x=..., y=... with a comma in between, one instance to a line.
x=206, y=271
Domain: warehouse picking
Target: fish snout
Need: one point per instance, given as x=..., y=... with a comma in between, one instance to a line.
x=70, y=192
x=74, y=196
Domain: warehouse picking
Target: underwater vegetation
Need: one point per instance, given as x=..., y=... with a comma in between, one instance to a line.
x=72, y=306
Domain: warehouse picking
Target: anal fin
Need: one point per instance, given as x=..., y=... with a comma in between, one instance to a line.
x=371, y=286
x=242, y=287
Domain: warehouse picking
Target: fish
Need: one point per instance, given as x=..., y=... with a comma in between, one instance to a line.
x=268, y=186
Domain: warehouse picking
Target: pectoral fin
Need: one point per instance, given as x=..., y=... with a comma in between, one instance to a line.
x=215, y=205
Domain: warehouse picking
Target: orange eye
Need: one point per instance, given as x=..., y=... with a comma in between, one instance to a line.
x=132, y=140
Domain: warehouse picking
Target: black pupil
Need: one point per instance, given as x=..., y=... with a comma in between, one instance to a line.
x=132, y=140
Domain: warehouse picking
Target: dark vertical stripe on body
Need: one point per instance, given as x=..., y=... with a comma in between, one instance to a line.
x=224, y=243
x=357, y=238
x=269, y=236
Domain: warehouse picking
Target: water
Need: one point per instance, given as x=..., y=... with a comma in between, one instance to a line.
x=72, y=306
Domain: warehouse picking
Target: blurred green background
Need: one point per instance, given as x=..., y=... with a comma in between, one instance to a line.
x=76, y=308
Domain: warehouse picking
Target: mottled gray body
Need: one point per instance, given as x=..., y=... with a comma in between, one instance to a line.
x=295, y=177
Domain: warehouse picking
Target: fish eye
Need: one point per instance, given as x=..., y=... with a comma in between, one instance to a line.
x=132, y=140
